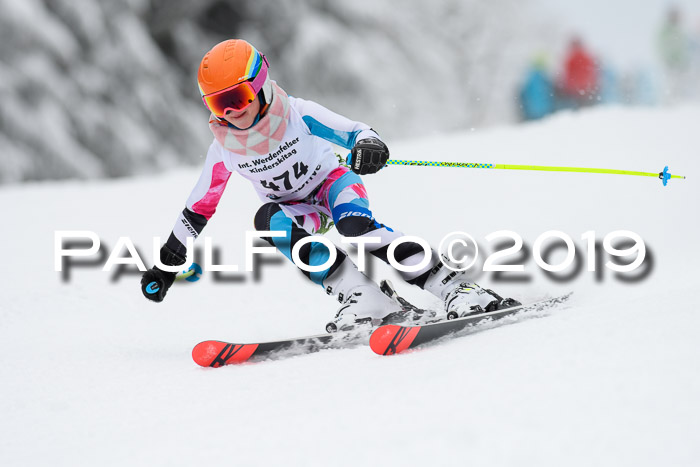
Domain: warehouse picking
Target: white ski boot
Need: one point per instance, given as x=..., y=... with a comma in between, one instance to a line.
x=362, y=301
x=462, y=297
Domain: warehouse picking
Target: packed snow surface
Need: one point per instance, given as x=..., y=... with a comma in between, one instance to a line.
x=93, y=374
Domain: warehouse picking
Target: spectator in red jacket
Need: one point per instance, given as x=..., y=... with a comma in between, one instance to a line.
x=580, y=81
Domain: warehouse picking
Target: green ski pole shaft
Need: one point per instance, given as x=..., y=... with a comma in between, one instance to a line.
x=664, y=176
x=185, y=275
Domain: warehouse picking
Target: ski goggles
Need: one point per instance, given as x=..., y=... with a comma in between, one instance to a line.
x=237, y=97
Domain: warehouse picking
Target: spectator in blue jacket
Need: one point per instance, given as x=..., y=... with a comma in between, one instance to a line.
x=536, y=92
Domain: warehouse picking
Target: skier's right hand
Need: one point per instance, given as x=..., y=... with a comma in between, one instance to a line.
x=155, y=282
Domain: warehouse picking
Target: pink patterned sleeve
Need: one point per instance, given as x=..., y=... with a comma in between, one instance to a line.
x=202, y=202
x=211, y=184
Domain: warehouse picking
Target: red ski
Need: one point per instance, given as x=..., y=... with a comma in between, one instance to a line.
x=217, y=353
x=391, y=339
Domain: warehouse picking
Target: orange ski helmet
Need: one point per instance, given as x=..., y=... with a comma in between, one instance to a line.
x=231, y=74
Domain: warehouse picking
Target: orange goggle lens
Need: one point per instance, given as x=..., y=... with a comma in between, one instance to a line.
x=236, y=98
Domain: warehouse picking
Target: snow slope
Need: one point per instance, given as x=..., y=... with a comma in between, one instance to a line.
x=93, y=374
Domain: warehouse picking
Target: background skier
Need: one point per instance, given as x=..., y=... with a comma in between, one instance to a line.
x=580, y=78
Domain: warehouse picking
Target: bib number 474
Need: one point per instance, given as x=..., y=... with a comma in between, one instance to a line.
x=299, y=170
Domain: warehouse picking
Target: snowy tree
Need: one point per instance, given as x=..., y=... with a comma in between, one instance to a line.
x=108, y=88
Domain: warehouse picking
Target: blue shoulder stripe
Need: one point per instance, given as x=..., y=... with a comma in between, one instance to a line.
x=345, y=139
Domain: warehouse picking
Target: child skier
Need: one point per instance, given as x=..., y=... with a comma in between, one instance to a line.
x=281, y=145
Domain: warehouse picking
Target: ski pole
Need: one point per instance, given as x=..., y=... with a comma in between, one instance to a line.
x=191, y=275
x=665, y=176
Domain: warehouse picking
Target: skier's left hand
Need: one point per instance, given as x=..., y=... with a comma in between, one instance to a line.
x=368, y=156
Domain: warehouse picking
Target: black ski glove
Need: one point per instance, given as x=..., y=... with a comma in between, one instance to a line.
x=156, y=282
x=368, y=156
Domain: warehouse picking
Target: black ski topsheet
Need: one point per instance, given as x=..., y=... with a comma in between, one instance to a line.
x=217, y=353
x=392, y=338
